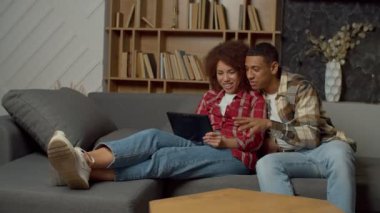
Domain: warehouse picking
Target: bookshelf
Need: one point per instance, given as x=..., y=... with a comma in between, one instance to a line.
x=160, y=28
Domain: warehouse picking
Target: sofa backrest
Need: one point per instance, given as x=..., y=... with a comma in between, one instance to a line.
x=141, y=111
x=360, y=121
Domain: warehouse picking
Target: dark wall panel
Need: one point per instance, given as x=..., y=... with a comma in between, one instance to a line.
x=361, y=72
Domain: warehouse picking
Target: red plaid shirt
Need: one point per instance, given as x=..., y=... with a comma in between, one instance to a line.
x=246, y=104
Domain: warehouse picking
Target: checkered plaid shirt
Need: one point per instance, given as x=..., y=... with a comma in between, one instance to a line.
x=244, y=104
x=304, y=123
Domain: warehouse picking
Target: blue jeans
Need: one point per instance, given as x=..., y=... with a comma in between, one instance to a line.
x=333, y=160
x=153, y=153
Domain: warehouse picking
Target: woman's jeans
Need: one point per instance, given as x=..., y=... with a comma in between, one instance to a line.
x=157, y=154
x=333, y=160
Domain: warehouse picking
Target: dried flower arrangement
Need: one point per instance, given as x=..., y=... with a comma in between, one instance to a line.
x=337, y=47
x=78, y=87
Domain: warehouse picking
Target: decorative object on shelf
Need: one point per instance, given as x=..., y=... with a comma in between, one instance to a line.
x=335, y=51
x=119, y=19
x=147, y=22
x=175, y=15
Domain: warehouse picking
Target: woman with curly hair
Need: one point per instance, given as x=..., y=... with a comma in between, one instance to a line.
x=153, y=153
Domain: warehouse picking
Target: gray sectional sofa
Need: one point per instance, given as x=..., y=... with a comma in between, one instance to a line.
x=25, y=183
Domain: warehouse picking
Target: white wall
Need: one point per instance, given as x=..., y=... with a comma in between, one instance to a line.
x=43, y=42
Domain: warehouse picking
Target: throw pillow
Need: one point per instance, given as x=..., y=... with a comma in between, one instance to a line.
x=40, y=112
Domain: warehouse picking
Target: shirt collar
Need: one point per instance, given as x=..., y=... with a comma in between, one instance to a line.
x=283, y=87
x=222, y=92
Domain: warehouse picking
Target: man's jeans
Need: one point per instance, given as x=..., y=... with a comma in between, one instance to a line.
x=157, y=154
x=333, y=160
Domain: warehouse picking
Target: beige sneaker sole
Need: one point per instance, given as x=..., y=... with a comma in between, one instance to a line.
x=63, y=158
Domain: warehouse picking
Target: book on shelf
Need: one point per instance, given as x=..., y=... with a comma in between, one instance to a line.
x=241, y=17
x=167, y=66
x=199, y=18
x=194, y=15
x=130, y=15
x=253, y=16
x=221, y=17
x=119, y=20
x=123, y=65
x=256, y=17
x=195, y=67
x=175, y=68
x=190, y=71
x=216, y=22
x=134, y=64
x=252, y=23
x=200, y=68
x=150, y=65
x=181, y=64
x=205, y=5
x=211, y=15
x=244, y=17
x=153, y=63
x=240, y=24
x=137, y=13
x=161, y=74
x=140, y=66
x=190, y=17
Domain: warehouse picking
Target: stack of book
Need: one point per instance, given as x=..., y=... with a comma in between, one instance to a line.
x=207, y=14
x=180, y=66
x=145, y=66
x=254, y=21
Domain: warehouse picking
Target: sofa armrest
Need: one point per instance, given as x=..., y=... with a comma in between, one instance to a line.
x=14, y=142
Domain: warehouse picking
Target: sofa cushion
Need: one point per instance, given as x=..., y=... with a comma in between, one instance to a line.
x=305, y=187
x=367, y=184
x=310, y=187
x=40, y=112
x=26, y=180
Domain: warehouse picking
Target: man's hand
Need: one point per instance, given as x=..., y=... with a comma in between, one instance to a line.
x=253, y=124
x=216, y=140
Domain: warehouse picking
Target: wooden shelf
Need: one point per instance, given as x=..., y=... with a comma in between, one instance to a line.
x=190, y=30
x=133, y=49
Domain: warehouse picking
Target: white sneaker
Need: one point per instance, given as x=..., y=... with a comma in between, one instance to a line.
x=55, y=178
x=68, y=161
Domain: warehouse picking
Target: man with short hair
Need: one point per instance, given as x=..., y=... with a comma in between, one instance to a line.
x=302, y=141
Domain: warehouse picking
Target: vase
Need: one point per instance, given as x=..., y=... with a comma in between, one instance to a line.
x=333, y=81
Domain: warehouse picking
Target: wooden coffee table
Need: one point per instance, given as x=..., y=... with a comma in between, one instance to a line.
x=238, y=201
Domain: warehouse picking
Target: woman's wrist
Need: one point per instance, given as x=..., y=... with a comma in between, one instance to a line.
x=269, y=124
x=229, y=142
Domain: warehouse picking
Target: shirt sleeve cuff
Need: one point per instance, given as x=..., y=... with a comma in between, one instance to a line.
x=278, y=129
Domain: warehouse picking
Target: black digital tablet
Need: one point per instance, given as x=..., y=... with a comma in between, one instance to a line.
x=189, y=125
